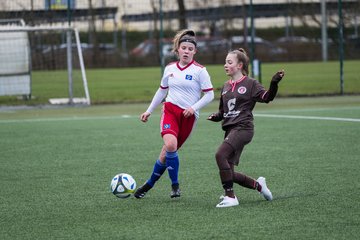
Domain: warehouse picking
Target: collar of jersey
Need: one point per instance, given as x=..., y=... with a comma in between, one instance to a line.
x=183, y=68
x=233, y=84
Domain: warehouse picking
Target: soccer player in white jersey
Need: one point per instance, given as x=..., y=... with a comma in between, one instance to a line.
x=187, y=87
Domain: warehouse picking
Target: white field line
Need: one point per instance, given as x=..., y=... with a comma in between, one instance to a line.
x=310, y=110
x=309, y=117
x=64, y=119
x=135, y=116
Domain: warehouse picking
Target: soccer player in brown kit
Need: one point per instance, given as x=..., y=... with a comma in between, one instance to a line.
x=238, y=98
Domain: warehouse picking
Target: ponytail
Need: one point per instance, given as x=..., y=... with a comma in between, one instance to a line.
x=242, y=58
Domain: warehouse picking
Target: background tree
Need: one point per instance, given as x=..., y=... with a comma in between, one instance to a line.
x=182, y=14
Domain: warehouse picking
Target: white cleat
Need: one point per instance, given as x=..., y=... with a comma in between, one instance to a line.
x=228, y=202
x=264, y=189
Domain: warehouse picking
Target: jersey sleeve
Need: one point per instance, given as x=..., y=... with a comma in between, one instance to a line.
x=207, y=89
x=205, y=81
x=258, y=92
x=263, y=95
x=164, y=84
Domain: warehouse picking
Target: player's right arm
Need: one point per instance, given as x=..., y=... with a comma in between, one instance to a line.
x=157, y=99
x=145, y=116
x=219, y=116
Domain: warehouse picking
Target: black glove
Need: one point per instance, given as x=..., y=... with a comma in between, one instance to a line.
x=215, y=117
x=278, y=76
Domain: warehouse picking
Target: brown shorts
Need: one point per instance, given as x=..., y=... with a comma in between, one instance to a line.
x=238, y=138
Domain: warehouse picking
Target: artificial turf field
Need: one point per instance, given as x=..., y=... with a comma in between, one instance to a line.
x=57, y=163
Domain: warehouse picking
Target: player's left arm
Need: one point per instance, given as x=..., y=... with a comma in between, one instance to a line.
x=207, y=97
x=271, y=93
x=204, y=100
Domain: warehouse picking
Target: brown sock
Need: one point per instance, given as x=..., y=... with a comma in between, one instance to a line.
x=229, y=192
x=258, y=187
x=226, y=176
x=246, y=181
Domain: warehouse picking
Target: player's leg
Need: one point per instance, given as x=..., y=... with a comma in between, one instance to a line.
x=240, y=178
x=244, y=180
x=225, y=171
x=248, y=182
x=222, y=155
x=160, y=164
x=172, y=159
x=158, y=170
x=169, y=132
x=242, y=138
x=185, y=129
x=172, y=163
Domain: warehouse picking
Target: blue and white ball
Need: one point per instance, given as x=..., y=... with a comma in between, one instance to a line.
x=123, y=185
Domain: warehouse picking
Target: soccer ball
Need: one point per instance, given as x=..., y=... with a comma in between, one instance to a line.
x=123, y=185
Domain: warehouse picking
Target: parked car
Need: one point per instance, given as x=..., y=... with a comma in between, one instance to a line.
x=293, y=39
x=208, y=50
x=85, y=47
x=301, y=48
x=264, y=50
x=204, y=44
x=150, y=47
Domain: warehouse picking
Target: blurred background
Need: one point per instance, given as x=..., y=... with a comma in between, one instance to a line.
x=128, y=33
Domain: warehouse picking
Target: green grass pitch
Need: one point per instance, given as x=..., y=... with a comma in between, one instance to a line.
x=129, y=85
x=57, y=164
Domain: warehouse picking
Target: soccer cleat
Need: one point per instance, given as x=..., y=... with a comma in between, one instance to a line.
x=228, y=202
x=264, y=189
x=175, y=191
x=141, y=191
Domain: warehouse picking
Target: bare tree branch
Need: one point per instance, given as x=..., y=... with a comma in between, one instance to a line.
x=182, y=14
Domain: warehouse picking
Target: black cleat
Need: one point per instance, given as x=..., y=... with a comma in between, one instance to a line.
x=175, y=192
x=141, y=191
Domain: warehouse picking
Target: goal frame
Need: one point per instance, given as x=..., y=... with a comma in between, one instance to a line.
x=69, y=30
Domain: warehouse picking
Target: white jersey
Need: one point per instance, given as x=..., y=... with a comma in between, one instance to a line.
x=185, y=84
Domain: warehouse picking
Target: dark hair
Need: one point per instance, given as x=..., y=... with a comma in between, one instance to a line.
x=242, y=58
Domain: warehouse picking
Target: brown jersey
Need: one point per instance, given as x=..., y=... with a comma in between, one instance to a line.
x=237, y=101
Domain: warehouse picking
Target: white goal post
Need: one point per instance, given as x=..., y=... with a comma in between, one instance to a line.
x=15, y=75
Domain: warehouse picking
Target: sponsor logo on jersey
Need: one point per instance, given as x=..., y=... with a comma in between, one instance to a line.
x=188, y=77
x=232, y=113
x=231, y=104
x=242, y=90
x=166, y=126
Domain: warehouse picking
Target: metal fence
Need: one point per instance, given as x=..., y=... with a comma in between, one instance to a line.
x=132, y=33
